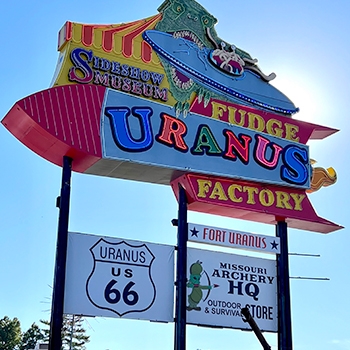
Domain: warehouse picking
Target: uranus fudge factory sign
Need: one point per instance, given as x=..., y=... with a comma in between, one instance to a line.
x=165, y=96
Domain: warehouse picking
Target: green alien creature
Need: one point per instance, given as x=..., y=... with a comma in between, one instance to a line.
x=196, y=294
x=189, y=20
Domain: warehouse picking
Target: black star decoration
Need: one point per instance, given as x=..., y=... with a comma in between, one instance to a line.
x=274, y=244
x=194, y=232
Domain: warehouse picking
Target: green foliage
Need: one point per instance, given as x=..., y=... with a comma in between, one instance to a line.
x=11, y=337
x=31, y=337
x=73, y=333
x=10, y=333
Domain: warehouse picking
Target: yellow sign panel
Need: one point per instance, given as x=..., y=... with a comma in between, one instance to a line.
x=114, y=56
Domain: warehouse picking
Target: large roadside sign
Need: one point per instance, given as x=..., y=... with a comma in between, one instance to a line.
x=165, y=100
x=165, y=97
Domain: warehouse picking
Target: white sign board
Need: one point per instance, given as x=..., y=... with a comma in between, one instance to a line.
x=220, y=284
x=114, y=277
x=233, y=238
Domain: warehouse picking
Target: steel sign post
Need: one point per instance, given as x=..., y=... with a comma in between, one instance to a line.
x=182, y=237
x=55, y=341
x=283, y=290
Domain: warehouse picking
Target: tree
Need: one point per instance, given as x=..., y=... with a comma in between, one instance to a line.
x=73, y=333
x=10, y=333
x=31, y=337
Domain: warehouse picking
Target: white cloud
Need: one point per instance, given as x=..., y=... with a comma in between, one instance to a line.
x=342, y=343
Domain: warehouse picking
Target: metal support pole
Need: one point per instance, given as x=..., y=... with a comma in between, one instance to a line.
x=283, y=290
x=55, y=341
x=181, y=280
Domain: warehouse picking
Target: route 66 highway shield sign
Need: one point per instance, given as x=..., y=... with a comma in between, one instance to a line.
x=120, y=272
x=114, y=277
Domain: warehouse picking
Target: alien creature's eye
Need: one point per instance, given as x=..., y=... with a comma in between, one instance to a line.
x=207, y=21
x=177, y=7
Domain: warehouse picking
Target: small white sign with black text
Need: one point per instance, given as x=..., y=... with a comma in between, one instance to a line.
x=233, y=238
x=114, y=277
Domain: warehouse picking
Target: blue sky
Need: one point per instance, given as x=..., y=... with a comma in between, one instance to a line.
x=305, y=43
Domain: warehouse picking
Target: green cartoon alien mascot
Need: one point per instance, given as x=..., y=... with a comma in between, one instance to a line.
x=196, y=294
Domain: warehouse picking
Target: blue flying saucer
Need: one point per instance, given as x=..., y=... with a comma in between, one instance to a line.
x=195, y=63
